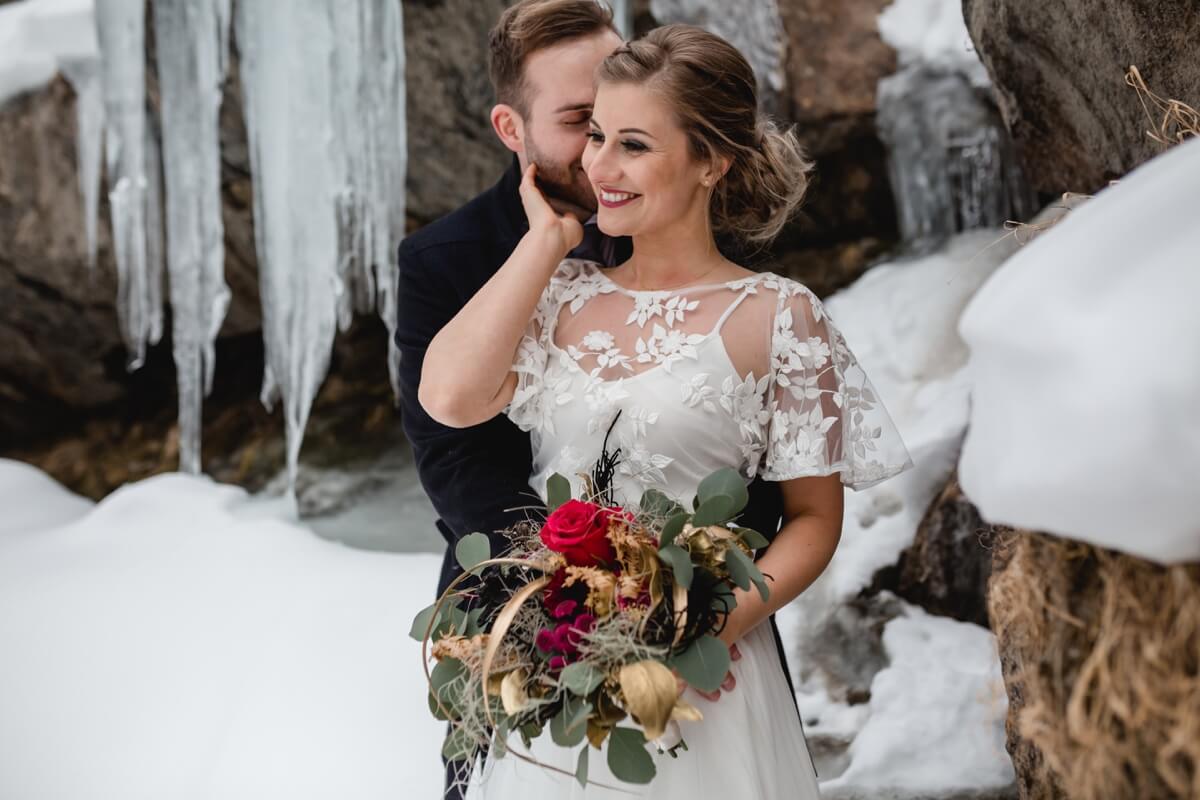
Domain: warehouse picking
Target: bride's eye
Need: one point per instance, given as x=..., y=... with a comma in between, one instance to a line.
x=634, y=146
x=596, y=137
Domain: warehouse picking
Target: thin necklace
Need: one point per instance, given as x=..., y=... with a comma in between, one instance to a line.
x=685, y=283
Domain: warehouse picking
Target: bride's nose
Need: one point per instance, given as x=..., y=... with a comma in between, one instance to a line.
x=603, y=166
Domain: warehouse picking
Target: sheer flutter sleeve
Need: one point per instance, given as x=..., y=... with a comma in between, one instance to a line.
x=824, y=414
x=526, y=409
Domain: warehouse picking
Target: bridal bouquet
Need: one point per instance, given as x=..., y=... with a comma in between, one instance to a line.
x=589, y=618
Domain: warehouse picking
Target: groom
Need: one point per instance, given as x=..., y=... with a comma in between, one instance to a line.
x=543, y=54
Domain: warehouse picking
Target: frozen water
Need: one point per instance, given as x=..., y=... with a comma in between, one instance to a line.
x=752, y=26
x=932, y=32
x=121, y=32
x=951, y=163
x=190, y=36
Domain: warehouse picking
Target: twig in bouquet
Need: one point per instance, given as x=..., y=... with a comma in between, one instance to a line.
x=605, y=468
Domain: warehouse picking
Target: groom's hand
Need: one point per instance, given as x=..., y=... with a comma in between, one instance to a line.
x=563, y=229
x=727, y=685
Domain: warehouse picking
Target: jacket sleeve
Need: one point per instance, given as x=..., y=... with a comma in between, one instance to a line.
x=477, y=478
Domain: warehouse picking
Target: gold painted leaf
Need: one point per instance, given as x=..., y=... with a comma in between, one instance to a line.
x=512, y=692
x=650, y=693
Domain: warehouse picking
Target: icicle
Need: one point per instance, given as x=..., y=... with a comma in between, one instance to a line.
x=369, y=115
x=623, y=18
x=120, y=27
x=752, y=26
x=289, y=106
x=84, y=77
x=190, y=38
x=951, y=163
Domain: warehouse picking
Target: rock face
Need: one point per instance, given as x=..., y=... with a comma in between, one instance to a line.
x=1059, y=72
x=834, y=61
x=946, y=569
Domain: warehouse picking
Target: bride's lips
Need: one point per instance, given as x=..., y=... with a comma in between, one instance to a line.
x=610, y=198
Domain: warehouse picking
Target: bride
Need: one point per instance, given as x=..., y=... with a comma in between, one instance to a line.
x=702, y=363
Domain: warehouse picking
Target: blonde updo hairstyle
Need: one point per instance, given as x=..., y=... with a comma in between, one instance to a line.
x=712, y=90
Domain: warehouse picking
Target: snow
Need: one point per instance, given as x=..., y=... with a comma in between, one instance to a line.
x=1085, y=393
x=192, y=53
x=936, y=716
x=33, y=501
x=37, y=37
x=932, y=32
x=900, y=320
x=182, y=639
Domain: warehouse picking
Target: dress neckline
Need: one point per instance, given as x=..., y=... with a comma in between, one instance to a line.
x=737, y=283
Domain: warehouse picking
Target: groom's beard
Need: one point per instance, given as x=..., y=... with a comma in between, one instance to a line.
x=563, y=182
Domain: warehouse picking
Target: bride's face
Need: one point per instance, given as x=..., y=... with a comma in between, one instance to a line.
x=640, y=166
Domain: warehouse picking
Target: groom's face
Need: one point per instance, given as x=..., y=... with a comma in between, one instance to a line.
x=560, y=90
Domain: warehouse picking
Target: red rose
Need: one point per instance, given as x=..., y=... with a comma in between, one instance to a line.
x=579, y=531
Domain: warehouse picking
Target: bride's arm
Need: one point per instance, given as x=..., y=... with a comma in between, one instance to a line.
x=466, y=377
x=812, y=513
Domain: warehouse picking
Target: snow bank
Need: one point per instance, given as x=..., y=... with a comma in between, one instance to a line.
x=180, y=639
x=1085, y=367
x=33, y=501
x=932, y=32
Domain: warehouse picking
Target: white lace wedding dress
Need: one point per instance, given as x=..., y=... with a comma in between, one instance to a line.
x=748, y=374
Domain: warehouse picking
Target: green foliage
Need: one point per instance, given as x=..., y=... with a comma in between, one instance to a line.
x=704, y=664
x=581, y=768
x=581, y=679
x=672, y=527
x=472, y=550
x=752, y=538
x=680, y=562
x=558, y=491
x=744, y=571
x=569, y=726
x=424, y=621
x=628, y=757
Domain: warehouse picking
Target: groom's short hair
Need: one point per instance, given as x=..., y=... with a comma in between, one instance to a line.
x=532, y=25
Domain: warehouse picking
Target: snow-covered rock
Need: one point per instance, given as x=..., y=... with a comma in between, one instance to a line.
x=1085, y=371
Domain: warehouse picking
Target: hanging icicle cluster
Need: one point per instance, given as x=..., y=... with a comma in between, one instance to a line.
x=324, y=103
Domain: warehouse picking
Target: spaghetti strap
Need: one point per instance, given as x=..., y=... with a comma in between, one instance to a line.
x=732, y=307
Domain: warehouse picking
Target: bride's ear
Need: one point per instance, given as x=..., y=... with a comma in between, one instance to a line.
x=509, y=127
x=717, y=168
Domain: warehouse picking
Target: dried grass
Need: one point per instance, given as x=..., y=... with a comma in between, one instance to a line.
x=1104, y=653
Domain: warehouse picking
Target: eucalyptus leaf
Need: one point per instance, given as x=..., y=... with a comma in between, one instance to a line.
x=569, y=726
x=657, y=504
x=704, y=664
x=753, y=539
x=558, y=491
x=446, y=685
x=628, y=757
x=459, y=745
x=672, y=527
x=725, y=481
x=739, y=566
x=472, y=550
x=760, y=581
x=715, y=510
x=421, y=622
x=680, y=563
x=473, y=617
x=581, y=679
x=581, y=768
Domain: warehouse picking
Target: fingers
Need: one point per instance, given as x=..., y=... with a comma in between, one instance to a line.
x=734, y=653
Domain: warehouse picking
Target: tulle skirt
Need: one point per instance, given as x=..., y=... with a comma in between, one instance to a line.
x=749, y=745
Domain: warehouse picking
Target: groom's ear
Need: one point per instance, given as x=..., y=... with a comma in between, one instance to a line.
x=509, y=127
